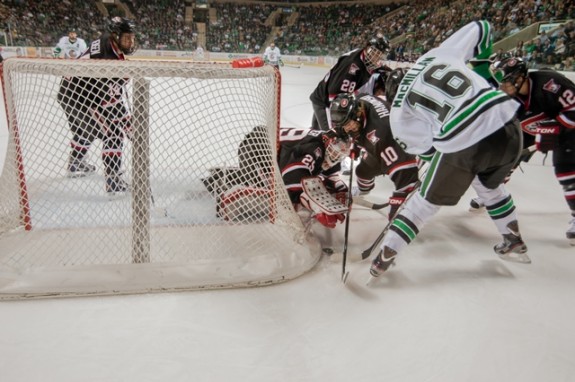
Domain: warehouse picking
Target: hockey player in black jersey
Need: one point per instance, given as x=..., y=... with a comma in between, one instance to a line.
x=95, y=107
x=351, y=71
x=547, y=115
x=304, y=154
x=366, y=119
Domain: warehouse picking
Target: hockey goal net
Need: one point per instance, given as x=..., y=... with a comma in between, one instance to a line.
x=64, y=236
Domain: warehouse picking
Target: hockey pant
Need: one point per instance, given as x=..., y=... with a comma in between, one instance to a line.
x=417, y=212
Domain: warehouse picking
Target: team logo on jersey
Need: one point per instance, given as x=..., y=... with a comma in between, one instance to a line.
x=551, y=86
x=344, y=103
x=317, y=152
x=372, y=137
x=353, y=69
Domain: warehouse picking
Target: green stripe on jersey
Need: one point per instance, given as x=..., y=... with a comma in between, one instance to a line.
x=430, y=172
x=462, y=115
x=485, y=46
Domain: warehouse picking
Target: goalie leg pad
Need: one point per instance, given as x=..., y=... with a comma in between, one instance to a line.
x=316, y=198
x=245, y=204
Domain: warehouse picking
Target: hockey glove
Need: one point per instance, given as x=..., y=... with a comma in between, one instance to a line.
x=330, y=221
x=547, y=134
x=281, y=62
x=395, y=202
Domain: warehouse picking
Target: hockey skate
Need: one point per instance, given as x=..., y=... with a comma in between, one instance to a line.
x=571, y=232
x=115, y=183
x=79, y=168
x=476, y=205
x=513, y=248
x=381, y=263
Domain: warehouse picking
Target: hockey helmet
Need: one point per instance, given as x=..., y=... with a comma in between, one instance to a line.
x=380, y=76
x=375, y=51
x=343, y=109
x=509, y=69
x=336, y=149
x=392, y=82
x=119, y=26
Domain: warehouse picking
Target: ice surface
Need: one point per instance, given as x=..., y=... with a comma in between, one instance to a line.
x=450, y=311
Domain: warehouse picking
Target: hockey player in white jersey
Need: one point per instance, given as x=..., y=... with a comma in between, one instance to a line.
x=70, y=46
x=445, y=112
x=273, y=56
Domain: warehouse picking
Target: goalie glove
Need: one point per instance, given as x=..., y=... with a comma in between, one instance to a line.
x=547, y=135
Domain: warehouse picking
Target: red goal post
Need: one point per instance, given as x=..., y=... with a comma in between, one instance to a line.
x=62, y=236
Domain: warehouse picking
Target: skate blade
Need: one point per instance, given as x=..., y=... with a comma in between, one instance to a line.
x=572, y=242
x=344, y=277
x=515, y=257
x=476, y=210
x=370, y=280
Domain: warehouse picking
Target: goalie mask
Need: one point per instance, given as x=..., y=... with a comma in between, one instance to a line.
x=123, y=32
x=375, y=52
x=336, y=149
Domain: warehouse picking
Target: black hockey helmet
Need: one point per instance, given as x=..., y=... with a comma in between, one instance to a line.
x=392, y=83
x=379, y=42
x=375, y=51
x=380, y=76
x=509, y=69
x=343, y=109
x=117, y=27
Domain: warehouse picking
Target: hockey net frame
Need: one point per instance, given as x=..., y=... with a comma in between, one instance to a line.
x=69, y=237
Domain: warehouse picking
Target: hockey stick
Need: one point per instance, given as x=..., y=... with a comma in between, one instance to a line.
x=344, y=274
x=360, y=201
x=157, y=211
x=298, y=66
x=528, y=150
x=367, y=253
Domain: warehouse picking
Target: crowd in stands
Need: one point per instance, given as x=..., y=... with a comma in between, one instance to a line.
x=42, y=23
x=426, y=24
x=161, y=24
x=331, y=30
x=239, y=27
x=554, y=49
x=300, y=28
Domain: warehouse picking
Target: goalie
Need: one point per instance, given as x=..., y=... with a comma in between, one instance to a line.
x=309, y=164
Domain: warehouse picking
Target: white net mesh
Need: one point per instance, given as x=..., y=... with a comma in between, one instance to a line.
x=195, y=215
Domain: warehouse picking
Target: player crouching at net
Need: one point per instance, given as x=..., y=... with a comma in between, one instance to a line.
x=309, y=164
x=96, y=109
x=366, y=119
